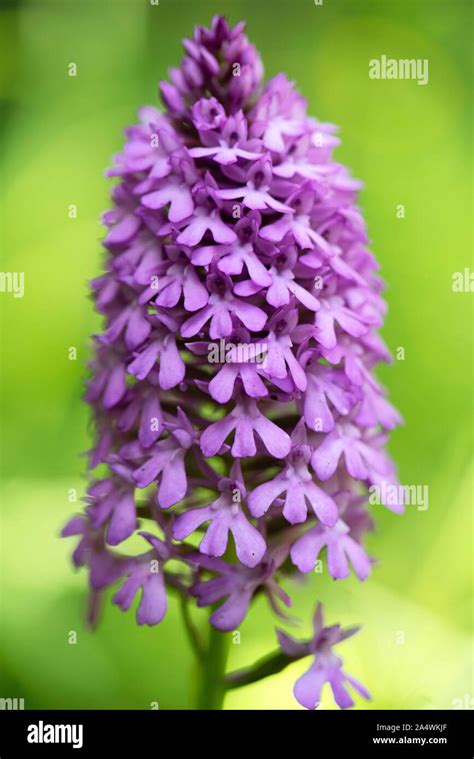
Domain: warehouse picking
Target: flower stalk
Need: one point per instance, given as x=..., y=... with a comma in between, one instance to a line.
x=212, y=686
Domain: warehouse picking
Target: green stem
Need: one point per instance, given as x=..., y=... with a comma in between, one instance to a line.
x=268, y=665
x=191, y=630
x=212, y=687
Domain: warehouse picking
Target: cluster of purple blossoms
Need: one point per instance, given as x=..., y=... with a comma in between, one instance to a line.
x=232, y=221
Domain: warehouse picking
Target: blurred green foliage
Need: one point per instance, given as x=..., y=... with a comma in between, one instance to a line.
x=411, y=145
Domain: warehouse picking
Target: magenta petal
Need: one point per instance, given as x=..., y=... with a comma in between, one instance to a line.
x=295, y=510
x=138, y=329
x=214, y=542
x=307, y=688
x=358, y=687
x=341, y=695
x=148, y=471
x=305, y=551
x=195, y=294
x=142, y=365
x=252, y=316
x=326, y=457
x=244, y=442
x=214, y=436
x=172, y=367
x=229, y=616
x=125, y=595
x=151, y=421
x=337, y=562
x=188, y=522
x=249, y=543
x=252, y=383
x=123, y=231
x=124, y=520
x=323, y=505
x=358, y=558
x=115, y=387
x=153, y=604
x=222, y=385
x=276, y=441
x=221, y=232
x=173, y=484
x=192, y=325
x=263, y=496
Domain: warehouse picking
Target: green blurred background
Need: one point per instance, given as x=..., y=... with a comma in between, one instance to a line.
x=411, y=145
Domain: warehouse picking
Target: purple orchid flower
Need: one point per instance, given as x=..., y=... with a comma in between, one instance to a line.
x=162, y=343
x=327, y=667
x=255, y=194
x=341, y=548
x=232, y=385
x=284, y=285
x=324, y=386
x=132, y=320
x=245, y=252
x=112, y=501
x=280, y=361
x=145, y=573
x=144, y=406
x=245, y=420
x=225, y=515
x=361, y=459
x=202, y=221
x=297, y=225
x=104, y=568
x=238, y=584
x=228, y=146
x=306, y=160
x=108, y=385
x=244, y=360
x=124, y=223
x=208, y=114
x=179, y=279
x=165, y=458
x=175, y=190
x=333, y=310
x=220, y=308
x=279, y=114
x=298, y=484
x=148, y=148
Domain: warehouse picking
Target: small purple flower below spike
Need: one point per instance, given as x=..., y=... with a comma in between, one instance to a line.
x=326, y=668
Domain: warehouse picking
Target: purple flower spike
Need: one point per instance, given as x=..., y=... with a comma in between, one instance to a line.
x=232, y=385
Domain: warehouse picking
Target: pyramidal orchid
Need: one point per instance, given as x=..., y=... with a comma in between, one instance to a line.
x=232, y=387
